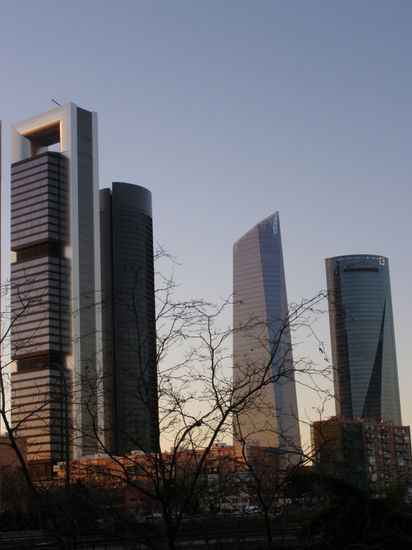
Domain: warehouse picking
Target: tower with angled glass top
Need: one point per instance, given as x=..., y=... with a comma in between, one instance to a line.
x=261, y=341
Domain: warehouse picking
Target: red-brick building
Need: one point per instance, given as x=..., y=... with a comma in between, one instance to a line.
x=371, y=455
x=226, y=476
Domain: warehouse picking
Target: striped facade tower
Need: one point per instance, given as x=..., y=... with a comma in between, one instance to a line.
x=55, y=278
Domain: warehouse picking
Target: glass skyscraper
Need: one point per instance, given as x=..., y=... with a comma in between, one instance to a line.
x=128, y=319
x=363, y=339
x=261, y=341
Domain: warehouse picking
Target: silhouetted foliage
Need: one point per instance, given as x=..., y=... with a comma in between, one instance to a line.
x=350, y=519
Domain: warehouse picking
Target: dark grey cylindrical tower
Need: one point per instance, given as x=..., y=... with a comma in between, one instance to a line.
x=130, y=380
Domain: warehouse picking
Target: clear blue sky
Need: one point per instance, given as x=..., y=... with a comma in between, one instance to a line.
x=230, y=110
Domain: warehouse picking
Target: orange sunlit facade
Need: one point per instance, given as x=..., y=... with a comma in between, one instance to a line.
x=226, y=475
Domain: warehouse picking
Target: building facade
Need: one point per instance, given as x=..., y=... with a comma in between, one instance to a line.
x=262, y=353
x=232, y=477
x=55, y=281
x=363, y=339
x=369, y=455
x=128, y=320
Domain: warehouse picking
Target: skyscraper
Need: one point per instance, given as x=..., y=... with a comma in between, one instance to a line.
x=55, y=278
x=261, y=339
x=363, y=339
x=129, y=336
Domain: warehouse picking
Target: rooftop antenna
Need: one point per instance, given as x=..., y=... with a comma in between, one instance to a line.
x=56, y=102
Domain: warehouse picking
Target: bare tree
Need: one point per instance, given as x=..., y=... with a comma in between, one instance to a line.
x=198, y=400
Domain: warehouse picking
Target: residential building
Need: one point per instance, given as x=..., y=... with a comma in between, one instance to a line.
x=363, y=339
x=231, y=477
x=370, y=455
x=128, y=319
x=261, y=341
x=238, y=477
x=55, y=280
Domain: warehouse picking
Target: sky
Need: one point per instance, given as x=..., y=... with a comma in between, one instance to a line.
x=230, y=110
